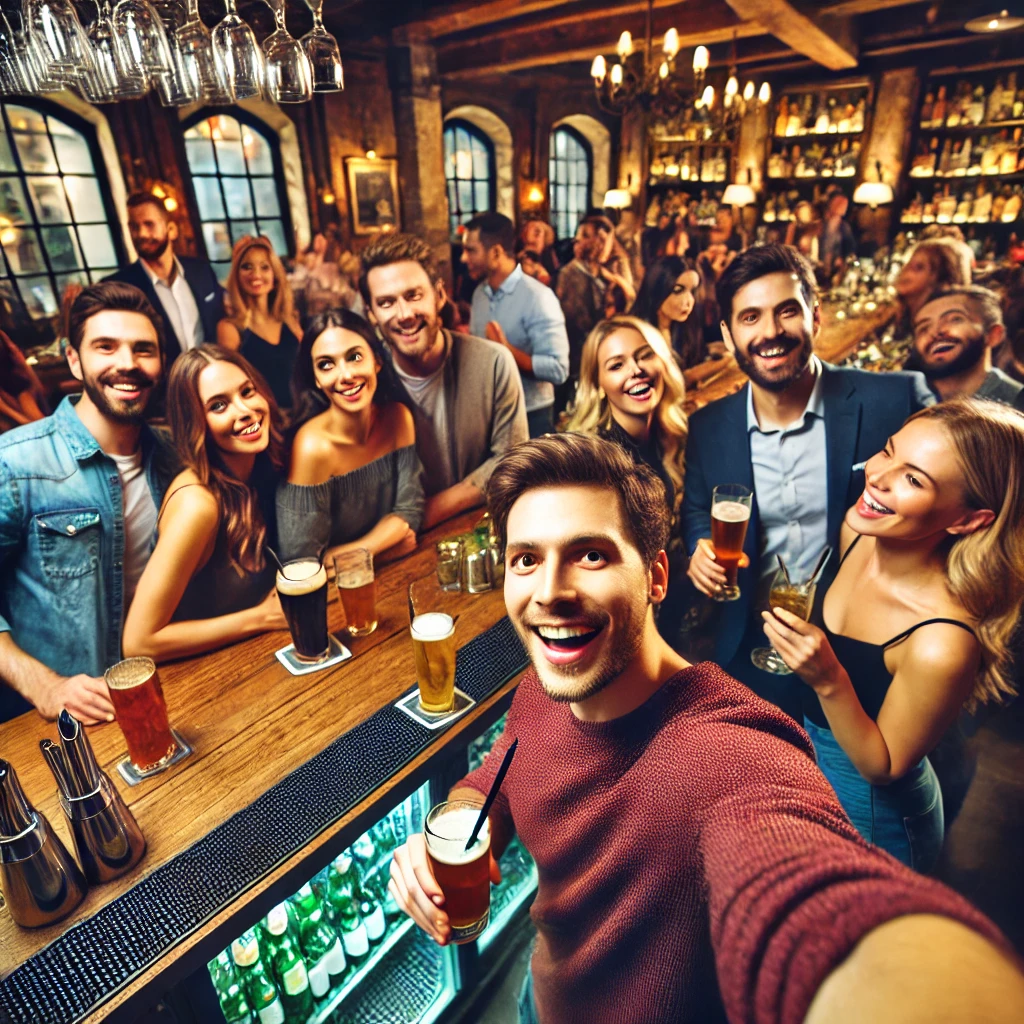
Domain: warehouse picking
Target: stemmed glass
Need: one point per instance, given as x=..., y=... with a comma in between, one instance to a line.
x=236, y=48
x=201, y=60
x=58, y=40
x=322, y=49
x=289, y=73
x=115, y=75
x=140, y=30
x=176, y=87
x=11, y=77
x=797, y=598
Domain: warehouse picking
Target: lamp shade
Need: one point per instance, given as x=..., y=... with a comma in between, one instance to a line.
x=617, y=199
x=739, y=195
x=873, y=193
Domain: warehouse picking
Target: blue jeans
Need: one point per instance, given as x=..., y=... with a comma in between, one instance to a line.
x=527, y=1007
x=904, y=818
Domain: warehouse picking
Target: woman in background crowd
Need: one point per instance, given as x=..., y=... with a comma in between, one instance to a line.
x=919, y=620
x=669, y=298
x=262, y=325
x=631, y=392
x=209, y=582
x=538, y=236
x=355, y=480
x=931, y=265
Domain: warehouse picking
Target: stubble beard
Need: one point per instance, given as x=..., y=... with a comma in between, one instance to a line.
x=781, y=383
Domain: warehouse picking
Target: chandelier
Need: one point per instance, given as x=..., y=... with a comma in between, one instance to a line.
x=642, y=80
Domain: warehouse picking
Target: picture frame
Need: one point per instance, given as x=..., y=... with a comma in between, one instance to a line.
x=373, y=195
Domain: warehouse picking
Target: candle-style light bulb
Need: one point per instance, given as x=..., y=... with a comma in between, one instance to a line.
x=732, y=87
x=708, y=98
x=701, y=58
x=748, y=91
x=598, y=69
x=671, y=44
x=663, y=70
x=765, y=93
x=625, y=45
x=616, y=74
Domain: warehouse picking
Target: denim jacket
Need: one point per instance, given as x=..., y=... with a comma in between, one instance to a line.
x=62, y=542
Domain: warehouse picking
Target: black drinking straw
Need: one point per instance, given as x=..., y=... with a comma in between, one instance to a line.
x=495, y=786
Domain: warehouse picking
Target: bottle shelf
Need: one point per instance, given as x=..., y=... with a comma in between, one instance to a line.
x=966, y=129
x=817, y=135
x=813, y=179
x=988, y=176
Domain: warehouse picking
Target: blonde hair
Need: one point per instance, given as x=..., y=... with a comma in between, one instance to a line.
x=280, y=303
x=985, y=569
x=592, y=412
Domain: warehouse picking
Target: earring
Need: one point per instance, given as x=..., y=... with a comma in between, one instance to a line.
x=600, y=393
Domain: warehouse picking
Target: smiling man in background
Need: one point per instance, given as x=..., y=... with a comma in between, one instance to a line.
x=79, y=493
x=797, y=435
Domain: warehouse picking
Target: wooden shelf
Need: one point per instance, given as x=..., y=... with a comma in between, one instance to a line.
x=946, y=178
x=817, y=135
x=816, y=179
x=966, y=129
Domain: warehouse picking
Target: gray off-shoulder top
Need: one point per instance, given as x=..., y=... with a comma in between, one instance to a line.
x=313, y=517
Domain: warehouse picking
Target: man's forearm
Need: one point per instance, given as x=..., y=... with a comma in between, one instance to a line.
x=22, y=672
x=523, y=359
x=922, y=968
x=450, y=502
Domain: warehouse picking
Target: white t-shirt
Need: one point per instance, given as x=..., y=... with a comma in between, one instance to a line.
x=433, y=445
x=139, y=520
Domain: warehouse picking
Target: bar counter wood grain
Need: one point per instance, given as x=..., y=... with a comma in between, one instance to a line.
x=250, y=723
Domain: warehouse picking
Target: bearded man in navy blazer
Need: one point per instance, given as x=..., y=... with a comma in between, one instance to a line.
x=797, y=435
x=183, y=289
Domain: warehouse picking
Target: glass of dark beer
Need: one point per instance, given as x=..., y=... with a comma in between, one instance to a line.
x=141, y=712
x=463, y=875
x=353, y=574
x=302, y=587
x=730, y=515
x=797, y=598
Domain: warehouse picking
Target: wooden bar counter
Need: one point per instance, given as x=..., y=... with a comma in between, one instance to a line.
x=251, y=723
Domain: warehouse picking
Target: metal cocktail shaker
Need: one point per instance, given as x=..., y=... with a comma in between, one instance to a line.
x=108, y=840
x=40, y=880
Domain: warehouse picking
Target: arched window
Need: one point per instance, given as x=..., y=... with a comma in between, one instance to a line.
x=570, y=170
x=469, y=172
x=238, y=182
x=55, y=214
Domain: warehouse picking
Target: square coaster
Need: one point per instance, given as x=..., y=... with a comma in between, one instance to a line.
x=133, y=776
x=338, y=653
x=410, y=705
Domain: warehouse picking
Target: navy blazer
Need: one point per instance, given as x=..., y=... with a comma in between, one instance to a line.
x=209, y=296
x=862, y=410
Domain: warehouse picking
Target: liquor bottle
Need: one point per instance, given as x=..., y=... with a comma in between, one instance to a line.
x=975, y=153
x=776, y=165
x=341, y=884
x=821, y=119
x=352, y=930
x=981, y=208
x=303, y=905
x=946, y=158
x=1010, y=155
x=857, y=121
x=940, y=109
x=782, y=120
x=372, y=913
x=289, y=967
x=999, y=203
x=963, y=208
x=256, y=980
x=323, y=953
x=946, y=207
x=768, y=216
x=926, y=110
x=364, y=852
x=807, y=116
x=995, y=102
x=1011, y=211
x=794, y=121
x=975, y=109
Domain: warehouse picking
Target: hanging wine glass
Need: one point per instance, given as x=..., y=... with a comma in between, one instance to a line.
x=200, y=57
x=289, y=73
x=176, y=87
x=115, y=76
x=324, y=56
x=140, y=30
x=61, y=47
x=239, y=54
x=11, y=78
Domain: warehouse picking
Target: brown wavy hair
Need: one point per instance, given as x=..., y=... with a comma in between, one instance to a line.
x=241, y=519
x=280, y=301
x=985, y=569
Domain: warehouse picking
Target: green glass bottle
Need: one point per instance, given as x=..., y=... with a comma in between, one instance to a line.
x=372, y=913
x=342, y=881
x=324, y=954
x=364, y=852
x=256, y=981
x=304, y=904
x=289, y=967
x=352, y=930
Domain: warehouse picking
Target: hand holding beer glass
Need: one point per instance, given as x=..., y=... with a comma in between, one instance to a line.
x=730, y=516
x=358, y=590
x=141, y=712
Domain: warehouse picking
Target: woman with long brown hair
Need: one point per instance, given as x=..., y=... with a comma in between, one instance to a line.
x=208, y=581
x=263, y=325
x=918, y=621
x=932, y=264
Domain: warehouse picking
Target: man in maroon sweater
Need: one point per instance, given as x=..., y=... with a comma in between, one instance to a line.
x=694, y=865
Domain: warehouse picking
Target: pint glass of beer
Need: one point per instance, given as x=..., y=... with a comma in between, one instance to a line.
x=433, y=643
x=302, y=587
x=464, y=876
x=730, y=514
x=358, y=590
x=138, y=701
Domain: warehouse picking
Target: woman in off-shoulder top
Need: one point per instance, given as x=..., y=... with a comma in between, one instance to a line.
x=355, y=480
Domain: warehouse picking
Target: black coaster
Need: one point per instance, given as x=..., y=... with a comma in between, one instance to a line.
x=338, y=652
x=133, y=776
x=410, y=704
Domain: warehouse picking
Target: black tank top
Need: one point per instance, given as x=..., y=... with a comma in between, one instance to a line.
x=275, y=362
x=864, y=663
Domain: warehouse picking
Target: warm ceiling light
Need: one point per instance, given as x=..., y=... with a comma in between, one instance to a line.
x=708, y=98
x=998, y=21
x=535, y=195
x=159, y=191
x=663, y=70
x=170, y=204
x=732, y=86
x=739, y=195
x=701, y=58
x=873, y=194
x=748, y=91
x=616, y=74
x=371, y=154
x=671, y=44
x=765, y=93
x=617, y=199
x=328, y=197
x=625, y=47
x=598, y=69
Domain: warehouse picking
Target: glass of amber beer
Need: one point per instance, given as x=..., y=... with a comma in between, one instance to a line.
x=797, y=598
x=463, y=875
x=433, y=643
x=353, y=573
x=138, y=701
x=730, y=514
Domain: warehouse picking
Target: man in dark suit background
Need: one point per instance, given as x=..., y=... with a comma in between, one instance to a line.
x=183, y=289
x=797, y=436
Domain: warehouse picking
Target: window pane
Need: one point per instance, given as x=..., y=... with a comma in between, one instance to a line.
x=63, y=280
x=222, y=270
x=465, y=196
x=51, y=205
x=21, y=247
x=449, y=144
x=100, y=274
x=483, y=196
x=199, y=153
x=13, y=206
x=237, y=197
x=3, y=265
x=72, y=150
x=97, y=245
x=257, y=151
x=229, y=156
x=227, y=128
x=6, y=156
x=241, y=228
x=37, y=294
x=36, y=153
x=211, y=204
x=25, y=119
x=481, y=162
x=559, y=144
x=86, y=201
x=62, y=248
x=274, y=230
x=218, y=242
x=267, y=203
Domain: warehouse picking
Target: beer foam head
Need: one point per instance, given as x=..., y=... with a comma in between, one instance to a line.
x=129, y=673
x=301, y=577
x=730, y=511
x=448, y=832
x=432, y=626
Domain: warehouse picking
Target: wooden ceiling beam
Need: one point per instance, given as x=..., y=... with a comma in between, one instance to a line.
x=844, y=8
x=478, y=13
x=827, y=41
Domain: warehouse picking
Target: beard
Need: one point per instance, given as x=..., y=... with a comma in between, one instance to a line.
x=151, y=249
x=429, y=327
x=787, y=375
x=127, y=412
x=970, y=355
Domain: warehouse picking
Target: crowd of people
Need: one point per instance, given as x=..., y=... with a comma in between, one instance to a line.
x=215, y=427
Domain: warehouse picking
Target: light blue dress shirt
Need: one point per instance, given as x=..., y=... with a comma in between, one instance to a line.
x=531, y=317
x=791, y=483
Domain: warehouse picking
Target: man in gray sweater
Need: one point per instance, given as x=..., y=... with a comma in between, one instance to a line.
x=466, y=393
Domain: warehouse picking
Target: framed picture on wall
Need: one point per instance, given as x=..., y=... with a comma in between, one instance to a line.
x=373, y=195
